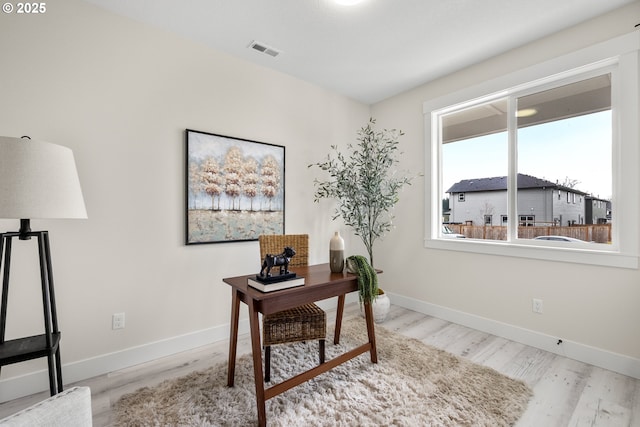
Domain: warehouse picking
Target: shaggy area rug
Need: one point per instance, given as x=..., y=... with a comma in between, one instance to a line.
x=412, y=384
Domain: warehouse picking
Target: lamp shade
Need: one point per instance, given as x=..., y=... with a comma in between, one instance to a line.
x=38, y=180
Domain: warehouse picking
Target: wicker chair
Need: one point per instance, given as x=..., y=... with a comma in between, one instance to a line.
x=306, y=322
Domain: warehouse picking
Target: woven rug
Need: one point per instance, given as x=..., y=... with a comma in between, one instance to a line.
x=412, y=384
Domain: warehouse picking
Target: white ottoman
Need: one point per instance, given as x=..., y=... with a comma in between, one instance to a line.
x=69, y=408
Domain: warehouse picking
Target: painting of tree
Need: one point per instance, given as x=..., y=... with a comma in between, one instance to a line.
x=211, y=180
x=233, y=174
x=250, y=179
x=270, y=178
x=235, y=188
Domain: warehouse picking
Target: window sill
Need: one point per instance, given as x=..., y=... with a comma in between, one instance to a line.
x=608, y=258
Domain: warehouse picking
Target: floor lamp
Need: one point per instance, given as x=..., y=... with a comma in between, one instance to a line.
x=37, y=180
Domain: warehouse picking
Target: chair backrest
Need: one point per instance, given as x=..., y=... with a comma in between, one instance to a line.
x=274, y=243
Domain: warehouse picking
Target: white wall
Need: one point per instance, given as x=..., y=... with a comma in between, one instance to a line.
x=120, y=95
x=593, y=307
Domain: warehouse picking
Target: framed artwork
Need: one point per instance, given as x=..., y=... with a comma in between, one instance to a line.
x=234, y=188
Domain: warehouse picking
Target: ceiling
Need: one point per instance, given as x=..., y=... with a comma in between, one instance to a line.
x=369, y=51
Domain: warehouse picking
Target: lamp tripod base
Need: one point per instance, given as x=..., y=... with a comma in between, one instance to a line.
x=44, y=345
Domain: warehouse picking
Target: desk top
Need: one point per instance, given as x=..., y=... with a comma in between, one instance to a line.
x=320, y=283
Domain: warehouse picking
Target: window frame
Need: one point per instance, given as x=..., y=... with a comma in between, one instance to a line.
x=621, y=56
x=526, y=220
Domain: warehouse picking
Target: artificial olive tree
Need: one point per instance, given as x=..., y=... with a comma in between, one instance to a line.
x=365, y=183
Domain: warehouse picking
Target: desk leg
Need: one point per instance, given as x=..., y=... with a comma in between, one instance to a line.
x=339, y=312
x=233, y=337
x=256, y=349
x=368, y=312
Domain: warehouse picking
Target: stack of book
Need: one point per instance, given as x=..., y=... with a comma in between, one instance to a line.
x=270, y=284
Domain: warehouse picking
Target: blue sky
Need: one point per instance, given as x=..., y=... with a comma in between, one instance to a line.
x=578, y=148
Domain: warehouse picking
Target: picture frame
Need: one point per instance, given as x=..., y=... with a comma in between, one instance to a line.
x=235, y=188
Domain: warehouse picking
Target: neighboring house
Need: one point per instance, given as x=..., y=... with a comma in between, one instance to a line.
x=597, y=211
x=540, y=202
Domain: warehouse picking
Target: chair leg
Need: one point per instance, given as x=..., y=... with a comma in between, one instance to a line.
x=321, y=349
x=267, y=364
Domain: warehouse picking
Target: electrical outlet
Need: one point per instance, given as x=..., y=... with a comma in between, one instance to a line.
x=117, y=321
x=537, y=306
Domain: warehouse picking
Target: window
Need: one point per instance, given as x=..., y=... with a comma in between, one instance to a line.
x=516, y=143
x=562, y=134
x=473, y=166
x=527, y=220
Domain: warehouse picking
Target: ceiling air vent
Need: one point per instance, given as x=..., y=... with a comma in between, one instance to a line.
x=261, y=47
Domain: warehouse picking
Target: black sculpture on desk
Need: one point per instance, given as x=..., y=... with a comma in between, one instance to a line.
x=281, y=260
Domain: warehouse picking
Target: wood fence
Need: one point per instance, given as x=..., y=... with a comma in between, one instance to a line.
x=599, y=233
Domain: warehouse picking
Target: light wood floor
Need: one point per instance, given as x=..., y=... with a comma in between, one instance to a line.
x=566, y=392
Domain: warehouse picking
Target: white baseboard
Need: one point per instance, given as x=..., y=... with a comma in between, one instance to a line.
x=38, y=381
x=584, y=353
x=35, y=382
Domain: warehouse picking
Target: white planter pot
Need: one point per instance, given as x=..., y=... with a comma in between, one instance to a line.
x=380, y=306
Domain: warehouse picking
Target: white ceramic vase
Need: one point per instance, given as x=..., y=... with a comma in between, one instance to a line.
x=336, y=253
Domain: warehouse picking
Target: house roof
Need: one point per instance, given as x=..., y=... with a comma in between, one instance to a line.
x=499, y=183
x=591, y=197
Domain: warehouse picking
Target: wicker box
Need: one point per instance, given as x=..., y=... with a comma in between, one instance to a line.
x=304, y=323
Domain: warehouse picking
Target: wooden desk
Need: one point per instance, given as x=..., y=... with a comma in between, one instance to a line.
x=320, y=283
